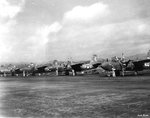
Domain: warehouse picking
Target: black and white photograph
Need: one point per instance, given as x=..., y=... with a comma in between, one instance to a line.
x=74, y=58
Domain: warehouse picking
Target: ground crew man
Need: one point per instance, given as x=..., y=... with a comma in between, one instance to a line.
x=113, y=72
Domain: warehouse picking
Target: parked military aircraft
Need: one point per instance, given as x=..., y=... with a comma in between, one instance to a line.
x=59, y=67
x=6, y=70
x=25, y=70
x=87, y=65
x=116, y=65
x=33, y=69
x=16, y=71
x=40, y=69
x=140, y=65
x=119, y=65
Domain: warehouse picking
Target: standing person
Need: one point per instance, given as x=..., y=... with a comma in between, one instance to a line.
x=113, y=72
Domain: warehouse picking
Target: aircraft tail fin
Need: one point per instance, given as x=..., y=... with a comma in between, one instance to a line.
x=94, y=58
x=122, y=58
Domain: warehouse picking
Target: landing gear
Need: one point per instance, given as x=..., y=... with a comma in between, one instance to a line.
x=5, y=75
x=24, y=73
x=73, y=73
x=123, y=72
x=56, y=72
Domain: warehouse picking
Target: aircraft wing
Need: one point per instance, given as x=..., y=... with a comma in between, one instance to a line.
x=17, y=70
x=40, y=69
x=142, y=61
x=95, y=65
x=5, y=70
x=50, y=68
x=141, y=64
x=77, y=67
x=27, y=69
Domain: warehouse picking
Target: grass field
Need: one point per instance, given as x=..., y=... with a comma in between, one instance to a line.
x=75, y=97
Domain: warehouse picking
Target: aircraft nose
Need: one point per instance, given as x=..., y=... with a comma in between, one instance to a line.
x=105, y=65
x=47, y=69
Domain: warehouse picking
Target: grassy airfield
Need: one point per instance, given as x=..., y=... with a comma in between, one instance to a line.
x=88, y=96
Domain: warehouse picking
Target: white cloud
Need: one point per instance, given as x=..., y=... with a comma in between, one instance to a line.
x=7, y=21
x=55, y=27
x=8, y=10
x=38, y=41
x=47, y=30
x=41, y=35
x=106, y=40
x=87, y=13
x=143, y=28
x=83, y=31
x=80, y=38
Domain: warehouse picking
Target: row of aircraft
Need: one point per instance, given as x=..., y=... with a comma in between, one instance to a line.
x=113, y=67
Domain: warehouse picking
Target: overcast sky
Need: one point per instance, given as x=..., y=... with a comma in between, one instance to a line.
x=44, y=30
